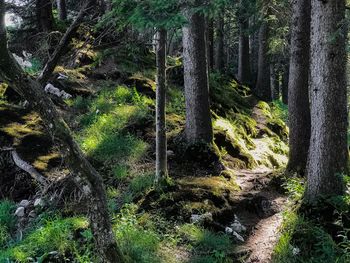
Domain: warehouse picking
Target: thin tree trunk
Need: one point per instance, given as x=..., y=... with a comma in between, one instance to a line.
x=210, y=43
x=161, y=141
x=54, y=59
x=243, y=53
x=285, y=85
x=274, y=82
x=62, y=10
x=44, y=15
x=328, y=155
x=198, y=117
x=254, y=54
x=220, y=57
x=298, y=94
x=263, y=85
x=10, y=72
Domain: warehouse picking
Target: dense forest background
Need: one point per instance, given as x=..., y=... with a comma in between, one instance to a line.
x=198, y=131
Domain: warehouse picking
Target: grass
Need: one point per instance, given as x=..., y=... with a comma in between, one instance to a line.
x=7, y=221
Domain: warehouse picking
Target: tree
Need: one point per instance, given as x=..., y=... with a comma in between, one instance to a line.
x=244, y=45
x=263, y=85
x=44, y=15
x=198, y=117
x=328, y=154
x=62, y=10
x=219, y=57
x=298, y=93
x=86, y=175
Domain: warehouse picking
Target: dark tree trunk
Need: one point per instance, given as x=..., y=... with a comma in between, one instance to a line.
x=44, y=15
x=10, y=72
x=285, y=84
x=275, y=88
x=161, y=141
x=211, y=43
x=220, y=57
x=62, y=10
x=328, y=155
x=243, y=54
x=298, y=94
x=263, y=85
x=254, y=55
x=198, y=117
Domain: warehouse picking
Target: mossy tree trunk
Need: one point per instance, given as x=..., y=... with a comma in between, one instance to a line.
x=86, y=175
x=198, y=117
x=243, y=54
x=328, y=155
x=161, y=141
x=263, y=85
x=298, y=94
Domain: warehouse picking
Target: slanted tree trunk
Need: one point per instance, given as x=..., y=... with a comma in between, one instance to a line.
x=243, y=53
x=263, y=85
x=62, y=45
x=161, y=142
x=91, y=182
x=298, y=94
x=328, y=155
x=44, y=15
x=220, y=57
x=198, y=117
x=62, y=10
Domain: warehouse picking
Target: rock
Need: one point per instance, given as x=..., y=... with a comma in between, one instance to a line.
x=38, y=202
x=24, y=203
x=295, y=251
x=51, y=89
x=201, y=218
x=32, y=214
x=230, y=231
x=237, y=226
x=20, y=211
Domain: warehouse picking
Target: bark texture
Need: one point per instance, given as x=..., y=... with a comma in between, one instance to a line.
x=62, y=10
x=198, y=117
x=263, y=85
x=298, y=94
x=220, y=56
x=285, y=83
x=44, y=15
x=161, y=141
x=243, y=53
x=328, y=155
x=91, y=181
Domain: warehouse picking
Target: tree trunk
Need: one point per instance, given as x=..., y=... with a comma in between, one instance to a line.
x=263, y=85
x=62, y=45
x=10, y=72
x=254, y=55
x=328, y=155
x=62, y=10
x=274, y=82
x=298, y=94
x=243, y=53
x=198, y=117
x=220, y=59
x=44, y=15
x=161, y=142
x=210, y=43
x=285, y=80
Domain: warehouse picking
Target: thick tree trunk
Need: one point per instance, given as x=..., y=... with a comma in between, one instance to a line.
x=328, y=155
x=298, y=94
x=64, y=42
x=220, y=57
x=161, y=142
x=211, y=43
x=62, y=10
x=198, y=117
x=44, y=15
x=243, y=53
x=263, y=85
x=10, y=72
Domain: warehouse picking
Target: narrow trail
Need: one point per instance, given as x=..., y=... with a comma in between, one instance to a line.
x=261, y=212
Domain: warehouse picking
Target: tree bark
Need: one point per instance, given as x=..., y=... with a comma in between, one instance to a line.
x=285, y=83
x=328, y=155
x=198, y=117
x=68, y=35
x=10, y=72
x=161, y=141
x=274, y=82
x=254, y=56
x=220, y=57
x=298, y=94
x=263, y=85
x=243, y=53
x=44, y=15
x=62, y=10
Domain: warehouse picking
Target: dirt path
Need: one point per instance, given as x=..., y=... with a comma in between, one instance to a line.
x=261, y=206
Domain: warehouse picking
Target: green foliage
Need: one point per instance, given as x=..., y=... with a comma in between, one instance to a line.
x=280, y=110
x=7, y=218
x=36, y=66
x=295, y=187
x=55, y=234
